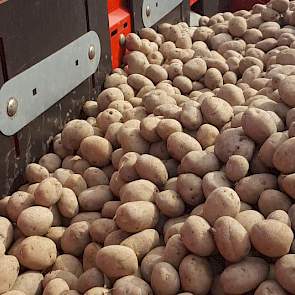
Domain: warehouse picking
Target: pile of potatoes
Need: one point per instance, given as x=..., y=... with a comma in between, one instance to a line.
x=180, y=179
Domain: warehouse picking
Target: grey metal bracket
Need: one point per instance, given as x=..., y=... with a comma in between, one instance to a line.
x=32, y=92
x=154, y=10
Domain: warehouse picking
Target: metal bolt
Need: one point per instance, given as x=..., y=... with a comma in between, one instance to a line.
x=12, y=106
x=91, y=52
x=122, y=39
x=148, y=11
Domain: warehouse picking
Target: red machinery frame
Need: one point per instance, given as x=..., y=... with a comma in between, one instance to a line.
x=119, y=26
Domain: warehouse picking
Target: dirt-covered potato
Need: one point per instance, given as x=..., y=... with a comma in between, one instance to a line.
x=136, y=216
x=268, y=287
x=229, y=234
x=279, y=237
x=101, y=228
x=50, y=161
x=222, y=201
x=248, y=218
x=254, y=270
x=236, y=167
x=45, y=248
x=91, y=278
x=35, y=173
x=283, y=272
x=29, y=282
x=116, y=261
x=9, y=269
x=68, y=263
x=56, y=286
x=195, y=274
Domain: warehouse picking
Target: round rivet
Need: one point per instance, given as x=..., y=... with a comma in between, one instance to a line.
x=148, y=11
x=122, y=39
x=12, y=107
x=91, y=52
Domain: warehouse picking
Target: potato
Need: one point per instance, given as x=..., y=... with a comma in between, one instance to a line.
x=258, y=124
x=196, y=236
x=126, y=166
x=95, y=197
x=206, y=135
x=232, y=94
x=249, y=188
x=68, y=277
x=107, y=117
x=29, y=282
x=189, y=186
x=268, y=287
x=199, y=163
x=109, y=209
x=216, y=111
x=6, y=232
x=68, y=263
x=151, y=168
x=236, y=167
x=90, y=108
x=165, y=279
x=61, y=174
x=169, y=203
x=74, y=132
x=237, y=26
x=35, y=221
x=97, y=291
x=179, y=144
x=100, y=229
x=143, y=242
x=248, y=218
x=86, y=216
x=116, y=261
x=194, y=69
x=133, y=42
x=114, y=80
x=148, y=127
x=116, y=237
x=229, y=234
x=116, y=183
x=56, y=286
x=168, y=126
x=75, y=238
x=279, y=237
x=136, y=216
x=36, y=173
x=138, y=190
x=183, y=83
x=213, y=78
x=281, y=216
x=14, y=292
x=116, y=157
x=254, y=270
x=9, y=269
x=28, y=248
x=50, y=161
x=271, y=200
x=225, y=199
x=191, y=117
x=68, y=203
x=195, y=274
x=89, y=255
x=269, y=147
x=283, y=272
x=96, y=150
x=90, y=279
x=155, y=57
x=156, y=73
x=175, y=69
x=286, y=89
x=131, y=284
x=48, y=192
x=55, y=234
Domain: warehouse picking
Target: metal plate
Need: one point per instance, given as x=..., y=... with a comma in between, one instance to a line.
x=154, y=10
x=47, y=82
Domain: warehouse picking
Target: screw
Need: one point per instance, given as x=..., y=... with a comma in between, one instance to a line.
x=91, y=52
x=148, y=11
x=12, y=106
x=122, y=40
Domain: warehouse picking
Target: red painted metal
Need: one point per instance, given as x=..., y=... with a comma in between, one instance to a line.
x=119, y=24
x=192, y=2
x=244, y=4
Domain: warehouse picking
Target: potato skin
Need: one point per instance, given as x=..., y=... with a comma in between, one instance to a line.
x=269, y=287
x=35, y=221
x=89, y=255
x=229, y=234
x=68, y=263
x=131, y=284
x=255, y=271
x=226, y=200
x=89, y=279
x=151, y=168
x=282, y=158
x=6, y=232
x=56, y=286
x=9, y=269
x=136, y=216
x=248, y=218
x=29, y=282
x=165, y=279
x=283, y=272
x=36, y=244
x=193, y=267
x=143, y=242
x=116, y=261
x=279, y=238
x=67, y=276
x=197, y=237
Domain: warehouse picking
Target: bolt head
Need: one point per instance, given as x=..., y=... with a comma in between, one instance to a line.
x=12, y=107
x=91, y=52
x=122, y=39
x=148, y=11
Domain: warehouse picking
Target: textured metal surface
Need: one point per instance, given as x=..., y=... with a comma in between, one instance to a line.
x=45, y=83
x=155, y=10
